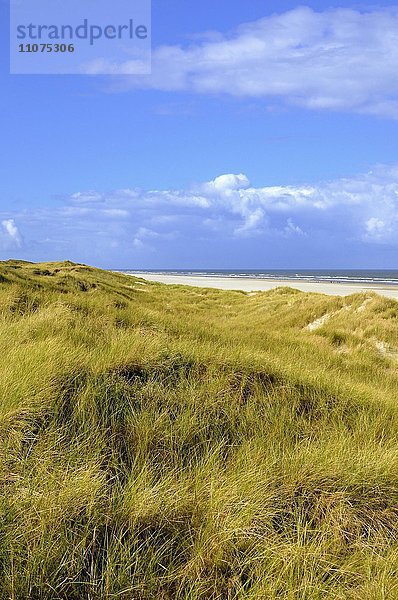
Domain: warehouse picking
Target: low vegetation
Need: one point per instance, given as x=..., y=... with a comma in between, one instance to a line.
x=165, y=442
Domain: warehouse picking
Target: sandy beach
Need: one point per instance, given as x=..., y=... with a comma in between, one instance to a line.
x=251, y=284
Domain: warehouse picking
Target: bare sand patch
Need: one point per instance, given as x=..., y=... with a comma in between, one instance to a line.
x=386, y=350
x=252, y=284
x=364, y=305
x=318, y=322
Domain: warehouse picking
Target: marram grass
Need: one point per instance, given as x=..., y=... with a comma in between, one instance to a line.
x=165, y=442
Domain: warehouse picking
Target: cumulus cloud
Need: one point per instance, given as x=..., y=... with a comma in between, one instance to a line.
x=226, y=183
x=227, y=210
x=9, y=235
x=363, y=207
x=337, y=59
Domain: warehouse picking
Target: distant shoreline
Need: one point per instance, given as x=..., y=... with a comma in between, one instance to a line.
x=253, y=284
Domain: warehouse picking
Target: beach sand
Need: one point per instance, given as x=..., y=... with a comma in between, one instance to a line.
x=251, y=284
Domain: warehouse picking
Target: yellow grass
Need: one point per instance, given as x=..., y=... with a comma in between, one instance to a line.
x=166, y=442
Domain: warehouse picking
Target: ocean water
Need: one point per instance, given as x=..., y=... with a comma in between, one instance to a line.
x=389, y=277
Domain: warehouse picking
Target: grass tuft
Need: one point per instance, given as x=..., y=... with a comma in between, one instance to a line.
x=182, y=443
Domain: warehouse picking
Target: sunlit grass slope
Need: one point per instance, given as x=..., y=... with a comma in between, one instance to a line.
x=165, y=442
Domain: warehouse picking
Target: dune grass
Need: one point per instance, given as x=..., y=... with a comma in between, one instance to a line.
x=166, y=442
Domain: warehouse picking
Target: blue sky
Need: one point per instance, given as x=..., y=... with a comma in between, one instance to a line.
x=266, y=137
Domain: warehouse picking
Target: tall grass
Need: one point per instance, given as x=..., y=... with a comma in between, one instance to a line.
x=164, y=442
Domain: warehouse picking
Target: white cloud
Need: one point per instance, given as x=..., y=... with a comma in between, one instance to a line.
x=292, y=229
x=227, y=183
x=363, y=207
x=144, y=232
x=85, y=197
x=10, y=236
x=377, y=229
x=338, y=59
x=138, y=244
x=228, y=209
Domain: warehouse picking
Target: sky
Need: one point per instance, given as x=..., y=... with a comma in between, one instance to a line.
x=266, y=137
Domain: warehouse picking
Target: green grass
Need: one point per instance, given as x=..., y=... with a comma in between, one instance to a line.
x=166, y=442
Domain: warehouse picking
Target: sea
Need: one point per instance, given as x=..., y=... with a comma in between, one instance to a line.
x=389, y=277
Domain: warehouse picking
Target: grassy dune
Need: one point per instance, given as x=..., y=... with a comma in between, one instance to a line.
x=184, y=443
